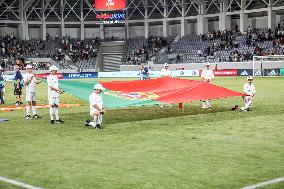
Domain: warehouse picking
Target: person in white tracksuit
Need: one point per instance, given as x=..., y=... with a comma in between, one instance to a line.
x=166, y=72
x=30, y=81
x=249, y=93
x=96, y=107
x=207, y=75
x=53, y=95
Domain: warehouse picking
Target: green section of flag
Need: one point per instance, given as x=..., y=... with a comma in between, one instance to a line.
x=83, y=89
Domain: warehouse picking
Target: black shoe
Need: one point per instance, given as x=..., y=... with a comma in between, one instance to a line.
x=28, y=117
x=98, y=126
x=36, y=116
x=59, y=121
x=87, y=123
x=51, y=121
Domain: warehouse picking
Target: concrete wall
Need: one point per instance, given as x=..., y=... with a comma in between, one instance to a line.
x=92, y=32
x=115, y=31
x=175, y=30
x=213, y=26
x=8, y=30
x=136, y=31
x=192, y=28
x=52, y=32
x=156, y=30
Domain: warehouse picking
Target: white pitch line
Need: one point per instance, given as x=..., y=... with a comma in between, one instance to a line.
x=264, y=183
x=14, y=182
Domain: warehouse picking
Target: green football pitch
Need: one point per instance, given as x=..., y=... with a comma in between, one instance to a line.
x=149, y=146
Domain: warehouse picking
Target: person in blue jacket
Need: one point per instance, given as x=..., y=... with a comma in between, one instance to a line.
x=2, y=86
x=18, y=85
x=144, y=73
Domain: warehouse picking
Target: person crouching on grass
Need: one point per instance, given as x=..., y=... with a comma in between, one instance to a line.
x=53, y=95
x=96, y=107
x=30, y=81
x=249, y=93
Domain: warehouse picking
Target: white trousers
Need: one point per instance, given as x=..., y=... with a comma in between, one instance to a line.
x=98, y=119
x=30, y=96
x=53, y=100
x=248, y=101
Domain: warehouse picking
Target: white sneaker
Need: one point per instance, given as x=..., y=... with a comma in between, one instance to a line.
x=243, y=109
x=204, y=107
x=93, y=124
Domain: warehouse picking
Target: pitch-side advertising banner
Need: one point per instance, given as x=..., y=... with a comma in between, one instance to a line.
x=282, y=72
x=271, y=72
x=43, y=76
x=232, y=72
x=11, y=77
x=245, y=72
x=225, y=72
x=80, y=75
x=152, y=74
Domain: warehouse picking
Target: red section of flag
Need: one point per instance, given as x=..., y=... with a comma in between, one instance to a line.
x=109, y=5
x=173, y=90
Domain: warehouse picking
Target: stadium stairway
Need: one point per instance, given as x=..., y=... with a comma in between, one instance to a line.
x=112, y=53
x=111, y=62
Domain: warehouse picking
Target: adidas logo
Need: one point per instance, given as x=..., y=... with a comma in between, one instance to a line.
x=257, y=73
x=272, y=73
x=244, y=73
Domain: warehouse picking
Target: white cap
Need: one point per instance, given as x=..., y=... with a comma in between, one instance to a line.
x=52, y=68
x=249, y=78
x=99, y=86
x=207, y=64
x=29, y=67
x=166, y=65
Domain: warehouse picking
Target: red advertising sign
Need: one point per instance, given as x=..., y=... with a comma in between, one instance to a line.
x=108, y=5
x=223, y=72
x=43, y=76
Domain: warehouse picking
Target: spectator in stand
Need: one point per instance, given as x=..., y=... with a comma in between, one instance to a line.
x=47, y=36
x=56, y=37
x=151, y=63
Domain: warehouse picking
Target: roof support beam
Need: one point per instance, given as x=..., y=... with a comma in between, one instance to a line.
x=28, y=4
x=1, y=2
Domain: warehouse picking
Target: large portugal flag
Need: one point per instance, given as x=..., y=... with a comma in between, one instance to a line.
x=171, y=90
x=148, y=92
